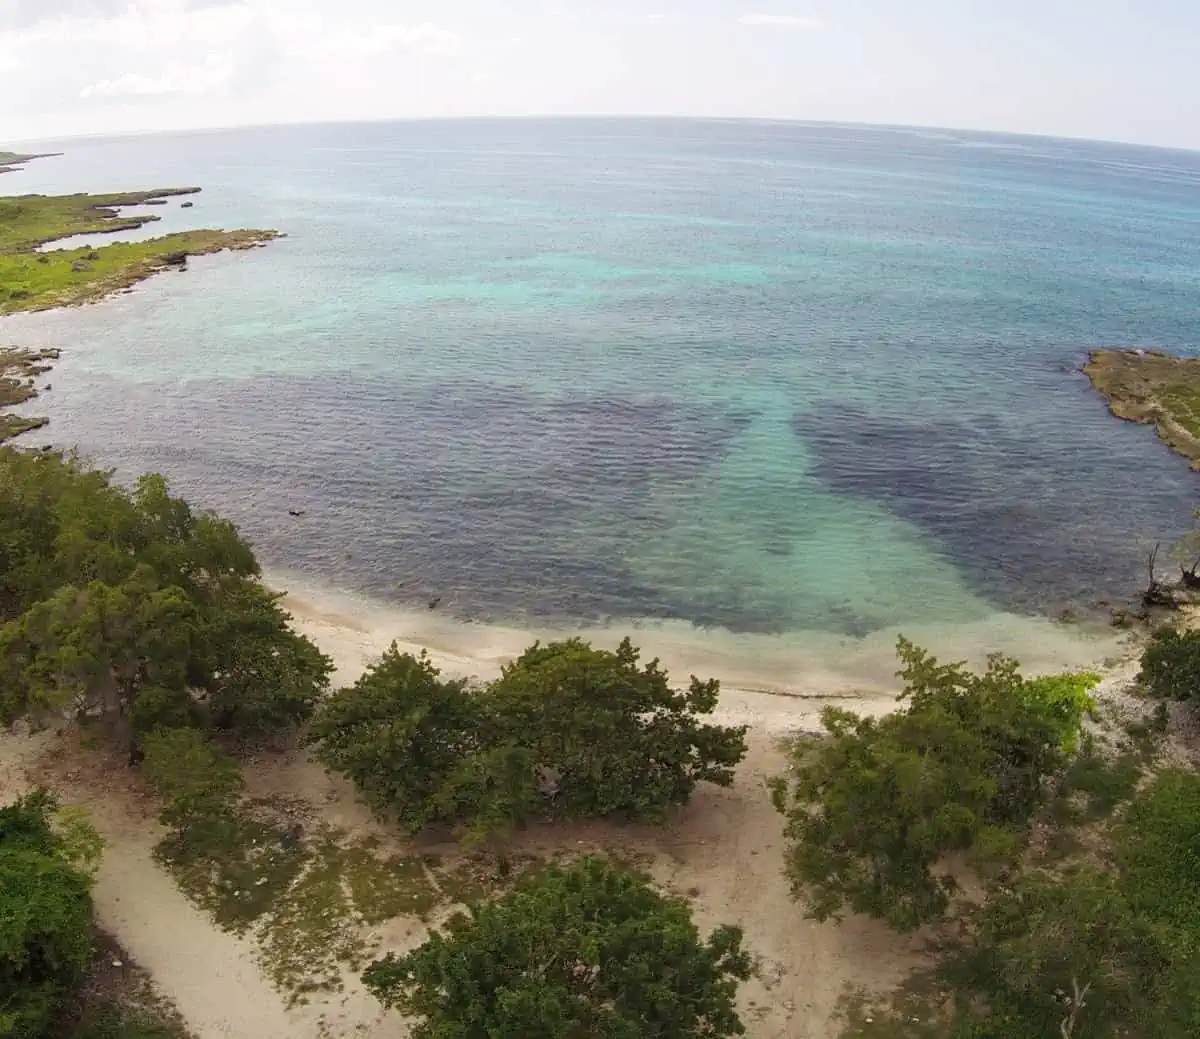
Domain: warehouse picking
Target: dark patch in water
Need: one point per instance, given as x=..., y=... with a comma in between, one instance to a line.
x=1038, y=517
x=502, y=504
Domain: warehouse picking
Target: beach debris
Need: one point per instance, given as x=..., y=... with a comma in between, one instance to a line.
x=186, y=205
x=79, y=266
x=295, y=512
x=433, y=603
x=290, y=838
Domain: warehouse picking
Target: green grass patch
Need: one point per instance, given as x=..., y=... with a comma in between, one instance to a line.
x=66, y=277
x=311, y=904
x=1181, y=401
x=914, y=1012
x=27, y=221
x=234, y=866
x=116, y=1022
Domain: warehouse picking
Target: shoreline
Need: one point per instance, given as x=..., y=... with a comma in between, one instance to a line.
x=1148, y=387
x=778, y=682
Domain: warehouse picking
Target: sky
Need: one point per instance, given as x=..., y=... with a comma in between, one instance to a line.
x=1109, y=69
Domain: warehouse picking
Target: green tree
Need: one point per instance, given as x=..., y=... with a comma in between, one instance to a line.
x=257, y=673
x=874, y=809
x=45, y=919
x=609, y=736
x=589, y=951
x=566, y=731
x=1171, y=664
x=399, y=733
x=132, y=607
x=1062, y=955
x=96, y=648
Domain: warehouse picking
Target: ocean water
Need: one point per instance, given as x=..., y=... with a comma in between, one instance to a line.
x=743, y=379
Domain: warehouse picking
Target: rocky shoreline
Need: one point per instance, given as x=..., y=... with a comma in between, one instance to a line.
x=18, y=370
x=1155, y=389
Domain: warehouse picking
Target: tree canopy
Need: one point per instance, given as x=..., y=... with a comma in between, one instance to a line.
x=590, y=950
x=45, y=918
x=566, y=731
x=1171, y=664
x=129, y=606
x=875, y=807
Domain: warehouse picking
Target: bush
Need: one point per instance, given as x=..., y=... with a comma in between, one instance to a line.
x=45, y=919
x=609, y=736
x=196, y=782
x=566, y=731
x=399, y=733
x=1171, y=664
x=961, y=767
x=1052, y=956
x=591, y=950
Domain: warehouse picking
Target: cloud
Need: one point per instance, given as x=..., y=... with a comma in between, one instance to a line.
x=425, y=38
x=141, y=51
x=781, y=21
x=213, y=76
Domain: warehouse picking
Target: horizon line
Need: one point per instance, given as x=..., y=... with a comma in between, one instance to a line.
x=593, y=117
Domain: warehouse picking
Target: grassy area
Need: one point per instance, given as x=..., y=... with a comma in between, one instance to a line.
x=309, y=904
x=1155, y=389
x=27, y=221
x=18, y=368
x=33, y=280
x=10, y=160
x=64, y=277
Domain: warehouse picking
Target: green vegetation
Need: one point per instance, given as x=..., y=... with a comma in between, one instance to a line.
x=27, y=221
x=65, y=277
x=591, y=950
x=10, y=160
x=1152, y=388
x=128, y=607
x=1171, y=665
x=45, y=919
x=567, y=731
x=1094, y=929
x=33, y=280
x=875, y=809
x=306, y=899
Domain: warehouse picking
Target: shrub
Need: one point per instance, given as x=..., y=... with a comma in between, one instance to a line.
x=566, y=731
x=1171, y=664
x=45, y=919
x=874, y=808
x=591, y=950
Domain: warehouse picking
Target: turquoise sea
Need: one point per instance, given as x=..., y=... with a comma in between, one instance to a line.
x=742, y=377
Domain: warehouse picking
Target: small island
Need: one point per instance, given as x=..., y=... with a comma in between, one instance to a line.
x=32, y=278
x=11, y=161
x=1155, y=389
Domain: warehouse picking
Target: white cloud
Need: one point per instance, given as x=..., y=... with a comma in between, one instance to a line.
x=781, y=21
x=213, y=76
x=96, y=53
x=426, y=38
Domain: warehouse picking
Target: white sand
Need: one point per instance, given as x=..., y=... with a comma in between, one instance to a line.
x=724, y=850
